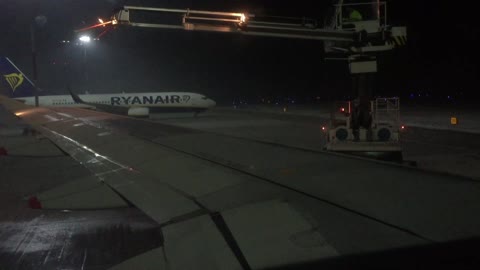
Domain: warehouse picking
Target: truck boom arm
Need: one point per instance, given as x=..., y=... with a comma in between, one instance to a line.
x=242, y=23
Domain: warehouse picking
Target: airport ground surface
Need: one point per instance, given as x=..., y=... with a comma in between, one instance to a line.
x=274, y=146
x=428, y=139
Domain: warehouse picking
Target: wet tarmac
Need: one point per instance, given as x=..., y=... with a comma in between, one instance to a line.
x=446, y=151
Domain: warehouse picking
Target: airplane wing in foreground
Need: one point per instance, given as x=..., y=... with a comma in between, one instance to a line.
x=218, y=213
x=204, y=227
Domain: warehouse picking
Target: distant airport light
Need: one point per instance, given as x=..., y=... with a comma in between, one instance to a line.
x=402, y=127
x=342, y=109
x=100, y=20
x=453, y=120
x=114, y=21
x=85, y=39
x=324, y=128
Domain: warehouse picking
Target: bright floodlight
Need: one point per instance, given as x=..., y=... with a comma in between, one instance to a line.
x=243, y=18
x=85, y=39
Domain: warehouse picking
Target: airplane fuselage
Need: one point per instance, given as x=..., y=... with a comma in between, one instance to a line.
x=172, y=100
x=137, y=104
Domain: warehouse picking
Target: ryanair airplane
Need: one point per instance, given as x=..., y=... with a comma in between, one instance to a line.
x=19, y=87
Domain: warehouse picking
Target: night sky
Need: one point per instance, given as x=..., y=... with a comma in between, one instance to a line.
x=439, y=59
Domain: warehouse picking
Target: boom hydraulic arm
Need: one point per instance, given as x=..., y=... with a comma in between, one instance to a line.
x=247, y=24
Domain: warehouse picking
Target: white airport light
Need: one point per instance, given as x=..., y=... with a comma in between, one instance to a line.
x=243, y=18
x=84, y=39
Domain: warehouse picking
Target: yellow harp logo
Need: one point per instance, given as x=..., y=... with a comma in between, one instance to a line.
x=14, y=80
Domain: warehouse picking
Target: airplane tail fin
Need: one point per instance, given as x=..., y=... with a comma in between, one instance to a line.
x=13, y=82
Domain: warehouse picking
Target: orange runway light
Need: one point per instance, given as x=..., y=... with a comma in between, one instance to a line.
x=96, y=25
x=453, y=120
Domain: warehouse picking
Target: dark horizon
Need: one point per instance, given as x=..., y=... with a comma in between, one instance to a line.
x=227, y=66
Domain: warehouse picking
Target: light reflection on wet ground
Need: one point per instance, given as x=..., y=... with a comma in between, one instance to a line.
x=53, y=239
x=76, y=240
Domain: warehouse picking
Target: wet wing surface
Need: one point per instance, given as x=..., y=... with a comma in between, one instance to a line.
x=60, y=239
x=76, y=240
x=324, y=203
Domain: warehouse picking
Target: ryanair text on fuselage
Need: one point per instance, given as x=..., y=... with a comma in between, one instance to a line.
x=132, y=100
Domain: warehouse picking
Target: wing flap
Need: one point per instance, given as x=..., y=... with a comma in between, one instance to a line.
x=197, y=244
x=273, y=233
x=253, y=236
x=158, y=200
x=85, y=193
